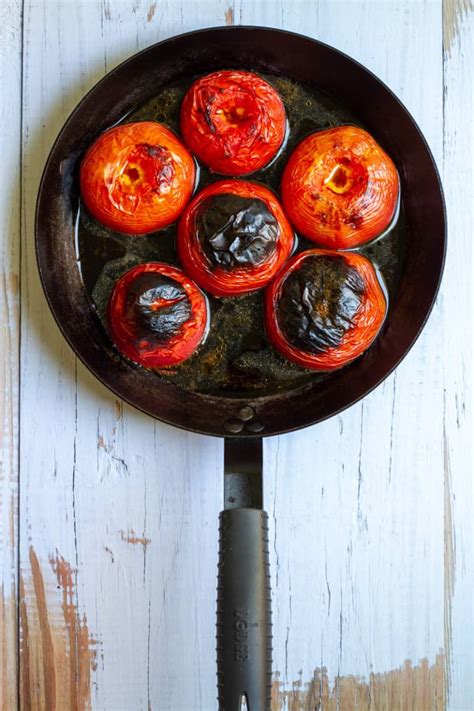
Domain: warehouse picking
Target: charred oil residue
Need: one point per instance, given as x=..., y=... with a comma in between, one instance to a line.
x=236, y=357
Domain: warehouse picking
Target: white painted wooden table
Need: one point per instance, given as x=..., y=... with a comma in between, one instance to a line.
x=108, y=519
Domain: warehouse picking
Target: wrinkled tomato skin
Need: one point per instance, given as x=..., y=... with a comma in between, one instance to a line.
x=137, y=177
x=216, y=280
x=179, y=347
x=233, y=121
x=339, y=188
x=368, y=321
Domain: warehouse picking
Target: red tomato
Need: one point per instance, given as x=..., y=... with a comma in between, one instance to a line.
x=137, y=177
x=234, y=121
x=234, y=237
x=339, y=187
x=325, y=309
x=157, y=316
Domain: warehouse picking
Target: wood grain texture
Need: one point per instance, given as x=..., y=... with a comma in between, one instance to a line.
x=58, y=653
x=10, y=150
x=458, y=155
x=371, y=511
x=456, y=20
x=421, y=687
x=364, y=490
x=94, y=468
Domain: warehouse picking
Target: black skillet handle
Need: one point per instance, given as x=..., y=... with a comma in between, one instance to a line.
x=244, y=639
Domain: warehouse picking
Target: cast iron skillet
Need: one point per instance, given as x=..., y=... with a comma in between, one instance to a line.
x=243, y=625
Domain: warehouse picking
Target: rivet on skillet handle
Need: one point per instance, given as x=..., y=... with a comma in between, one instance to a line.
x=244, y=639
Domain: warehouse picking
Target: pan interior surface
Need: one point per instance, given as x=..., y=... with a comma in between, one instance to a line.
x=236, y=359
x=345, y=92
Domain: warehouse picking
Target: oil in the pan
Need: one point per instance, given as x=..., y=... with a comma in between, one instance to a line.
x=236, y=357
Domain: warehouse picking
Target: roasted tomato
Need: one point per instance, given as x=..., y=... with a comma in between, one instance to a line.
x=234, y=237
x=325, y=308
x=339, y=187
x=234, y=121
x=137, y=177
x=157, y=316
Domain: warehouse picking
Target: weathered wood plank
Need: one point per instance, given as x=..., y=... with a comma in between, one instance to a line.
x=458, y=156
x=112, y=504
x=363, y=491
x=48, y=386
x=10, y=150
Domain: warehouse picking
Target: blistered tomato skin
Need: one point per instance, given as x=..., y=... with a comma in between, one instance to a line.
x=325, y=309
x=233, y=121
x=157, y=316
x=339, y=188
x=234, y=237
x=137, y=177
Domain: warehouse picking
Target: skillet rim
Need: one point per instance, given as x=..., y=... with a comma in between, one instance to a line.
x=238, y=401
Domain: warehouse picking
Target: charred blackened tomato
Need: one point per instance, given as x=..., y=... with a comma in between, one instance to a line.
x=137, y=177
x=339, y=187
x=325, y=308
x=157, y=316
x=234, y=237
x=234, y=121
